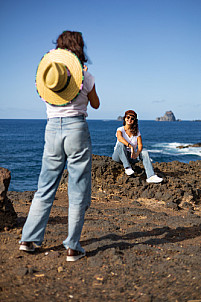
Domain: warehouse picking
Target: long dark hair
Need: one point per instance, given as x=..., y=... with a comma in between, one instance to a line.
x=73, y=41
x=134, y=127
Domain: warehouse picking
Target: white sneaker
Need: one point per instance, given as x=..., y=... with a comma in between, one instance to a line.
x=73, y=255
x=154, y=179
x=129, y=171
x=27, y=246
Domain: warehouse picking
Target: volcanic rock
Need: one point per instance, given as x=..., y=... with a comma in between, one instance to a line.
x=168, y=117
x=137, y=249
x=180, y=186
x=7, y=213
x=198, y=145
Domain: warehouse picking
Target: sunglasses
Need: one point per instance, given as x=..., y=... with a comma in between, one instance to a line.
x=130, y=117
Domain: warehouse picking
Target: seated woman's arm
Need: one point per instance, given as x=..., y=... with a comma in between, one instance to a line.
x=134, y=154
x=121, y=139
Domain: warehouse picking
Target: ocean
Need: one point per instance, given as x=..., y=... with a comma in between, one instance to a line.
x=22, y=144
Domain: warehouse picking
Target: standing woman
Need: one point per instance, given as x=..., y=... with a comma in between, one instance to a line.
x=128, y=148
x=67, y=89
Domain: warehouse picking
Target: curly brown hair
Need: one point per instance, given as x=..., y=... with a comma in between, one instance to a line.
x=72, y=40
x=134, y=128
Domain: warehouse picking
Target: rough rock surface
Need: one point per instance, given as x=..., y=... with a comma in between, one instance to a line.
x=168, y=117
x=7, y=212
x=180, y=188
x=142, y=241
x=198, y=145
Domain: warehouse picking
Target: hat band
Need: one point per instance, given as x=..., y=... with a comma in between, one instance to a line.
x=65, y=86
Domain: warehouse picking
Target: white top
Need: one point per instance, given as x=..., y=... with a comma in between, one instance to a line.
x=78, y=106
x=130, y=139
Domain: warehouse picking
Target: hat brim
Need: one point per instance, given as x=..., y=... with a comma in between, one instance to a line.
x=71, y=61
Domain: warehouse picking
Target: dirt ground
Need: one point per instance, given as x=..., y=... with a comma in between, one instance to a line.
x=137, y=250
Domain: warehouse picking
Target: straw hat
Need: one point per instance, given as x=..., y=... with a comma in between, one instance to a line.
x=59, y=77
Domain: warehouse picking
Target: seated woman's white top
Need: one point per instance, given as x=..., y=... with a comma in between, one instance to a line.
x=132, y=140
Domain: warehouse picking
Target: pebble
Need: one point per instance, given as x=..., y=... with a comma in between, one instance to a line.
x=22, y=271
x=60, y=269
x=32, y=270
x=54, y=255
x=19, y=231
x=145, y=298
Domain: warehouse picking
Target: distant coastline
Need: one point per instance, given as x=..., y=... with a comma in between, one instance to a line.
x=167, y=117
x=120, y=118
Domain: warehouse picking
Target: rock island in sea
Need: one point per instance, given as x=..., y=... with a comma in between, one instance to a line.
x=168, y=117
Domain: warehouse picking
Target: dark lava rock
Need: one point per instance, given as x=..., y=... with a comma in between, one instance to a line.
x=168, y=117
x=22, y=197
x=187, y=146
x=7, y=213
x=181, y=184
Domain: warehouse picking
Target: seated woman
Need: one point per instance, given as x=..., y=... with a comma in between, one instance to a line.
x=128, y=148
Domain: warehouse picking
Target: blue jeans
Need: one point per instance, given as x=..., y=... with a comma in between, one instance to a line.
x=121, y=154
x=66, y=139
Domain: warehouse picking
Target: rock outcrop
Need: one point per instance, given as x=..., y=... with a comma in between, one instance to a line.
x=198, y=145
x=7, y=213
x=168, y=117
x=120, y=118
x=136, y=249
x=180, y=188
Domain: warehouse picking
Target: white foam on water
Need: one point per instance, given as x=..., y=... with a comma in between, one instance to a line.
x=190, y=151
x=172, y=149
x=154, y=150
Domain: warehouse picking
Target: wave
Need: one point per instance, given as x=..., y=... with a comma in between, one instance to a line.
x=174, y=150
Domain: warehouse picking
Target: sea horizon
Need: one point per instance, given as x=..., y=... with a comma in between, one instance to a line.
x=23, y=142
x=108, y=119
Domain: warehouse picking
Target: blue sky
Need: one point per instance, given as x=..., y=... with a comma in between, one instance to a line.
x=145, y=54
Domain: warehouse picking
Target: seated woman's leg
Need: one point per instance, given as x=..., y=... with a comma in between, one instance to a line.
x=151, y=176
x=120, y=155
x=144, y=156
